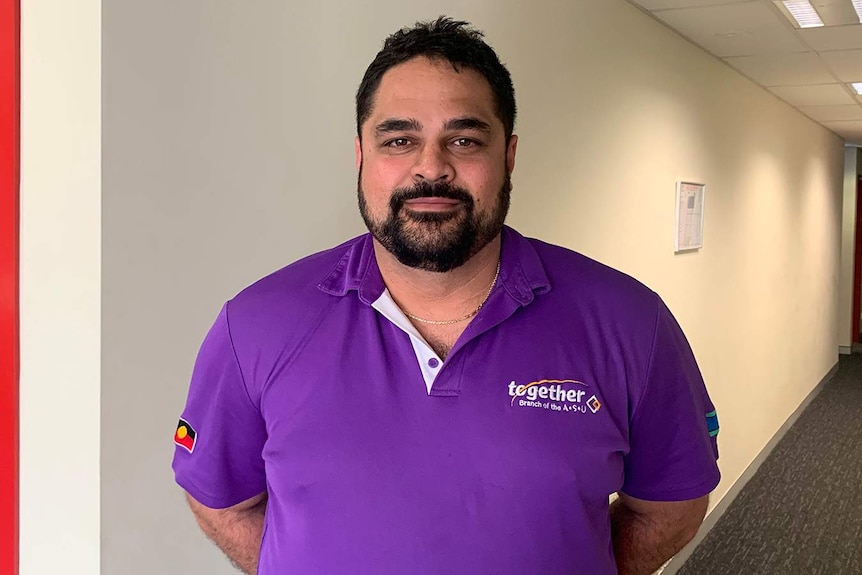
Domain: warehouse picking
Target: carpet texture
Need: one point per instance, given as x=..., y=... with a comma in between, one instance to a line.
x=801, y=513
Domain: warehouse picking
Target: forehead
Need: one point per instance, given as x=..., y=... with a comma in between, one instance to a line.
x=433, y=89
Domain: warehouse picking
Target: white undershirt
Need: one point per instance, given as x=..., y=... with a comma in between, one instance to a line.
x=425, y=355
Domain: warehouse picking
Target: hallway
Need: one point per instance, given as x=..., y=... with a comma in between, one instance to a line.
x=801, y=513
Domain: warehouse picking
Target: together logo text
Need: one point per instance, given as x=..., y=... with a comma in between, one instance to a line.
x=554, y=394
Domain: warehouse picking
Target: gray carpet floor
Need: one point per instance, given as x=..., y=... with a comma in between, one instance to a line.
x=801, y=513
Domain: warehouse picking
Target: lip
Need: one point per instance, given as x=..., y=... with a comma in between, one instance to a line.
x=432, y=204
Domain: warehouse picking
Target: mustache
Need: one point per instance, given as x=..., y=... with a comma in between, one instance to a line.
x=426, y=189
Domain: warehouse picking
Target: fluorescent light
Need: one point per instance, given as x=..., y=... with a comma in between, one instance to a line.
x=804, y=13
x=858, y=87
x=857, y=5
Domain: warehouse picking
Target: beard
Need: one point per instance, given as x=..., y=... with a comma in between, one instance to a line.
x=436, y=241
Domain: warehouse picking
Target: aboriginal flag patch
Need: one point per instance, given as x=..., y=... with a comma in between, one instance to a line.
x=185, y=435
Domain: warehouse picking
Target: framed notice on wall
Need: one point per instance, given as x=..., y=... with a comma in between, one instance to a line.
x=689, y=216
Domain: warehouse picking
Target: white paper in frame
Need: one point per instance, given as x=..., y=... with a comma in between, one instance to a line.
x=689, y=216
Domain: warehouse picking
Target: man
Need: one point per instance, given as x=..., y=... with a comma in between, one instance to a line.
x=443, y=395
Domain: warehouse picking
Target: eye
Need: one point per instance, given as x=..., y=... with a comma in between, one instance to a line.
x=465, y=143
x=397, y=143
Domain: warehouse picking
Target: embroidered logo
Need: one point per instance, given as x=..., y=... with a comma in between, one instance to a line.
x=185, y=436
x=565, y=395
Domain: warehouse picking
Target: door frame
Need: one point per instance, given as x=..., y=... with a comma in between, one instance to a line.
x=10, y=59
x=857, y=266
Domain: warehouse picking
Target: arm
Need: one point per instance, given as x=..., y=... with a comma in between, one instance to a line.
x=648, y=533
x=236, y=530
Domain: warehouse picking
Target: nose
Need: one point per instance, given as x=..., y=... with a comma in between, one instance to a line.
x=433, y=164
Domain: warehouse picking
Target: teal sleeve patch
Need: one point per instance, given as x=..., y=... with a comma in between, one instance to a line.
x=712, y=423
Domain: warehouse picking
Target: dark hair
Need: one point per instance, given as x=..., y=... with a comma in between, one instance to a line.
x=443, y=39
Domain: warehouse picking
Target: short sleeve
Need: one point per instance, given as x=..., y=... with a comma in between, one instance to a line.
x=221, y=434
x=672, y=434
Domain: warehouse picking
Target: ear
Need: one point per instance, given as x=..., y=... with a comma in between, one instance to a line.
x=511, y=148
x=357, y=148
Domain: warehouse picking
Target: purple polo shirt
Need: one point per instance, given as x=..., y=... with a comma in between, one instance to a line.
x=572, y=383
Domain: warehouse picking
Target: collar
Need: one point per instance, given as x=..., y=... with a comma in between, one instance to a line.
x=521, y=271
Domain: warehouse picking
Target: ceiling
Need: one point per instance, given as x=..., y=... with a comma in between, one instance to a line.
x=810, y=68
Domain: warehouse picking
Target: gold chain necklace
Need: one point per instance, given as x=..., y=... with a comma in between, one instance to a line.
x=462, y=318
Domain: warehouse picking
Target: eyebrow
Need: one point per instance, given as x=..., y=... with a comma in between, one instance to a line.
x=412, y=125
x=398, y=125
x=467, y=123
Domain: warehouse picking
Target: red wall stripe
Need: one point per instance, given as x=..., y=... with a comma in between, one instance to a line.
x=9, y=177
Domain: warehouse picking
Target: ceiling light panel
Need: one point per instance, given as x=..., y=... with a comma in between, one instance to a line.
x=803, y=13
x=858, y=87
x=857, y=5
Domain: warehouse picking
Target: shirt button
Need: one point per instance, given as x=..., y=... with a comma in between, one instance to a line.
x=433, y=363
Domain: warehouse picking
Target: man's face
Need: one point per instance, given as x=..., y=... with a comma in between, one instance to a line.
x=434, y=165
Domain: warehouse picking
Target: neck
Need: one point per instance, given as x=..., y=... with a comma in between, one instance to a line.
x=440, y=296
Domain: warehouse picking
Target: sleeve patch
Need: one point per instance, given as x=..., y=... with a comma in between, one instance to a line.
x=185, y=436
x=712, y=423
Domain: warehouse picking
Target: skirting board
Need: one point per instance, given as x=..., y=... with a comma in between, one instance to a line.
x=680, y=558
x=845, y=349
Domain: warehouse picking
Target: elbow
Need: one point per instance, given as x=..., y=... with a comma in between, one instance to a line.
x=688, y=533
x=690, y=527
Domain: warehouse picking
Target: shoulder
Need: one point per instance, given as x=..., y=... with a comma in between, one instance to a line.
x=303, y=274
x=279, y=310
x=293, y=288
x=268, y=321
x=575, y=276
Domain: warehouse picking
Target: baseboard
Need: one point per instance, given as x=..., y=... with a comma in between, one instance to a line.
x=680, y=558
x=845, y=349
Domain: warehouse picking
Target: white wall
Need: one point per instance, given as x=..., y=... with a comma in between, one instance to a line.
x=60, y=287
x=227, y=153
x=852, y=171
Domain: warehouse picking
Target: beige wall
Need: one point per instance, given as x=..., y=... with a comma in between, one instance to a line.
x=227, y=152
x=60, y=287
x=852, y=171
x=639, y=109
